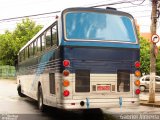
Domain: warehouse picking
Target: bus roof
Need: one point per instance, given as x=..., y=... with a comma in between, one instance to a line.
x=102, y=10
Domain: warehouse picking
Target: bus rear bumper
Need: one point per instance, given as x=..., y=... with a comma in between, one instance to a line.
x=97, y=103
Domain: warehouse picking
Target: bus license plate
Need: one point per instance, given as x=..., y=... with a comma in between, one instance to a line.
x=103, y=88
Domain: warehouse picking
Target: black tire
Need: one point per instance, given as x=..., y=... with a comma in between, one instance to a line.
x=19, y=91
x=41, y=106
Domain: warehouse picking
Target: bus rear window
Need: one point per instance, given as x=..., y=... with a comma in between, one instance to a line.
x=99, y=26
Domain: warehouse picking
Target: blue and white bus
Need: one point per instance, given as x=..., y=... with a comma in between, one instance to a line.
x=87, y=58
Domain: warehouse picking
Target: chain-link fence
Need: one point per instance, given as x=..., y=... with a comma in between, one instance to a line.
x=7, y=71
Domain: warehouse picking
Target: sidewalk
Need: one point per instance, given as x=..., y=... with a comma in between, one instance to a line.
x=146, y=103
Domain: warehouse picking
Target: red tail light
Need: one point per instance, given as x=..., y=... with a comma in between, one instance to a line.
x=137, y=91
x=137, y=64
x=66, y=63
x=65, y=72
x=66, y=93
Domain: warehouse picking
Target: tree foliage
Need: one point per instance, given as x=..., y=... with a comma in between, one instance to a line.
x=145, y=57
x=11, y=42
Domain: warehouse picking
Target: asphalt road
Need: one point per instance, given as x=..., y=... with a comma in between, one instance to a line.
x=13, y=107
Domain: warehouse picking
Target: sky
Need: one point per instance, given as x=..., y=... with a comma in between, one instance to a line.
x=17, y=8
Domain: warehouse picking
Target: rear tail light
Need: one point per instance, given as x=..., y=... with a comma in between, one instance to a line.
x=137, y=73
x=137, y=64
x=66, y=83
x=137, y=91
x=65, y=72
x=137, y=82
x=66, y=63
x=66, y=93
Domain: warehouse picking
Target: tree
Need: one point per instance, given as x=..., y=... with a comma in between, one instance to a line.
x=144, y=55
x=11, y=42
x=24, y=32
x=6, y=48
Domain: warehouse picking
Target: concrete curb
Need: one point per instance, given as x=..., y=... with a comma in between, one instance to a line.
x=145, y=103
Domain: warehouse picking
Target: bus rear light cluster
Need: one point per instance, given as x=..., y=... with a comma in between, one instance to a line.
x=66, y=83
x=138, y=75
x=66, y=93
x=66, y=63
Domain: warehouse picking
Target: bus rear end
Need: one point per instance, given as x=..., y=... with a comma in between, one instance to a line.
x=100, y=54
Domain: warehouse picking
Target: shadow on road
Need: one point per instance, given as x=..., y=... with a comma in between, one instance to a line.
x=60, y=114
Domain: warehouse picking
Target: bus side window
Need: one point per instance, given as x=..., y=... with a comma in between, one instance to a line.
x=48, y=38
x=54, y=35
x=43, y=42
x=22, y=56
x=26, y=53
x=38, y=45
x=31, y=50
x=35, y=47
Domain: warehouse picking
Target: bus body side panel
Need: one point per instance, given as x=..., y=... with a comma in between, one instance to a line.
x=44, y=71
x=47, y=72
x=25, y=75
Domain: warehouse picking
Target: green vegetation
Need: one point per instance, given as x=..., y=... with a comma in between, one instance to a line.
x=145, y=56
x=7, y=71
x=11, y=42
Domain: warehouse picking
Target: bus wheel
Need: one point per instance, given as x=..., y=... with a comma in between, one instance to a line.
x=41, y=106
x=19, y=91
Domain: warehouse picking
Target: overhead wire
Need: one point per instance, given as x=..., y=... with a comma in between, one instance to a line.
x=28, y=16
x=119, y=2
x=109, y=4
x=139, y=3
x=133, y=6
x=86, y=5
x=115, y=3
x=139, y=11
